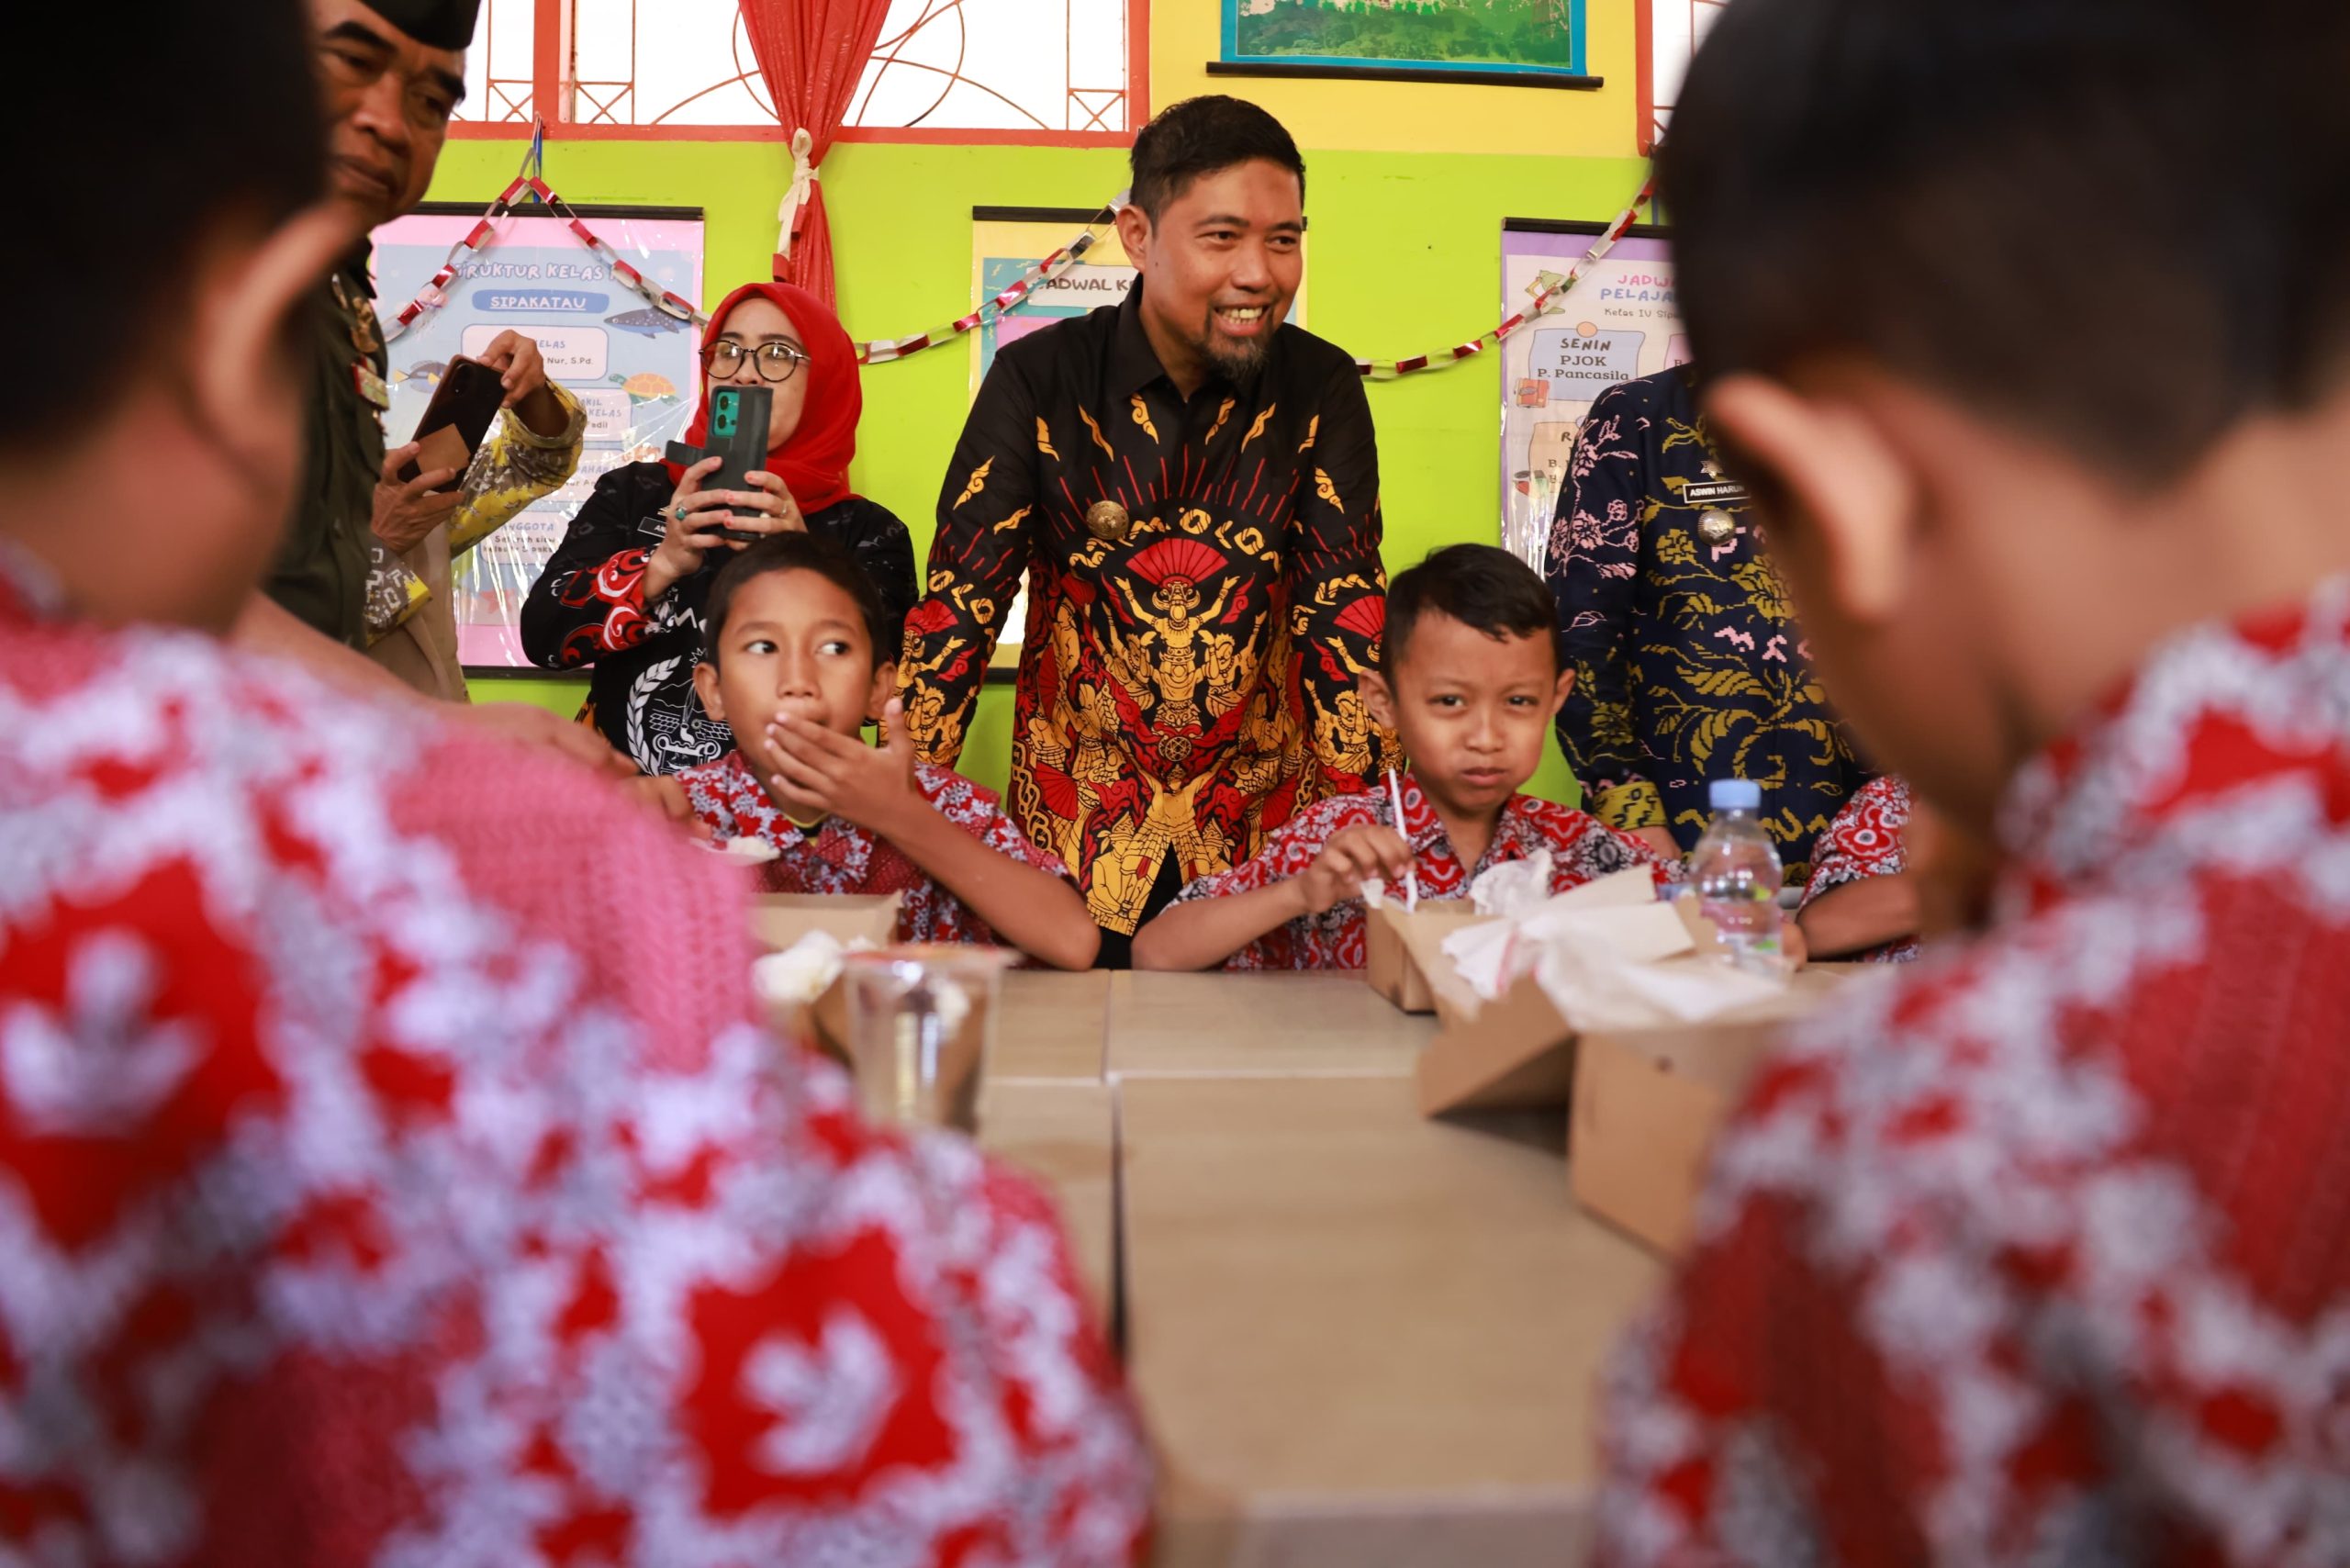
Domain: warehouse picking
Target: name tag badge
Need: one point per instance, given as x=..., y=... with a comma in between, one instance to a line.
x=370, y=385
x=1714, y=493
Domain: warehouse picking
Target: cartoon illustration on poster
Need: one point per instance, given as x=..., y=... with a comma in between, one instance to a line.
x=1002, y=249
x=1618, y=323
x=633, y=368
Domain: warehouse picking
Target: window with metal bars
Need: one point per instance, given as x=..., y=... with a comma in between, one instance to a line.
x=1670, y=32
x=1047, y=71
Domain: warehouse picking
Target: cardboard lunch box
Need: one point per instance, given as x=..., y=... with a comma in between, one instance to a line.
x=1645, y=1101
x=1512, y=1053
x=780, y=920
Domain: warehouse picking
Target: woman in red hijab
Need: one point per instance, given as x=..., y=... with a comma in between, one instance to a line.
x=624, y=592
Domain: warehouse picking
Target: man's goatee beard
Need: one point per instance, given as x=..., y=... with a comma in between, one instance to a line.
x=1234, y=361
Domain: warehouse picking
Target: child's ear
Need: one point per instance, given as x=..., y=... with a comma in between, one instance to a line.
x=706, y=684
x=1561, y=691
x=1854, y=496
x=884, y=687
x=1378, y=698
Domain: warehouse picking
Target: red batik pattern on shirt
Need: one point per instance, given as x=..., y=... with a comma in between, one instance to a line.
x=618, y=587
x=2038, y=1251
x=387, y=1178
x=1865, y=841
x=841, y=858
x=1582, y=847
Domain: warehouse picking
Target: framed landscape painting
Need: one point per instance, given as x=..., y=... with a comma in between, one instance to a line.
x=1516, y=42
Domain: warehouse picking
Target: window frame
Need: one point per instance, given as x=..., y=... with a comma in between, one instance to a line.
x=551, y=52
x=1644, y=40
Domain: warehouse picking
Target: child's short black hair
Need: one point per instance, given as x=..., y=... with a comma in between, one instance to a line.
x=1483, y=587
x=1199, y=135
x=2010, y=201
x=154, y=174
x=799, y=553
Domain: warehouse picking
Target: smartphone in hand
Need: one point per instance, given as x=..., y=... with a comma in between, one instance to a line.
x=465, y=404
x=738, y=432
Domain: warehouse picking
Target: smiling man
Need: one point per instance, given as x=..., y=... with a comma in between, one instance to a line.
x=392, y=74
x=1191, y=485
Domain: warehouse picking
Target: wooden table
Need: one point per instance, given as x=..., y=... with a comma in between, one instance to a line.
x=1052, y=1026
x=1250, y=1026
x=1065, y=1136
x=1360, y=1337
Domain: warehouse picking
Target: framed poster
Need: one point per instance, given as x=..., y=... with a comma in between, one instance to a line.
x=633, y=369
x=1530, y=43
x=1005, y=242
x=1616, y=324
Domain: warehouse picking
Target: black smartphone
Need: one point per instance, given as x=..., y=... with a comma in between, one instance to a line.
x=738, y=432
x=465, y=404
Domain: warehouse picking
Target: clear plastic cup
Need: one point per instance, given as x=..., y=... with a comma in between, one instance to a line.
x=921, y=1029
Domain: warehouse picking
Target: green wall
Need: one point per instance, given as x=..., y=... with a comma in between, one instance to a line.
x=1405, y=257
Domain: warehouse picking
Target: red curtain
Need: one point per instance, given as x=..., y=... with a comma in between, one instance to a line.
x=811, y=53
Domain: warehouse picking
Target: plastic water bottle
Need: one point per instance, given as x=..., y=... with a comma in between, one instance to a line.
x=1736, y=875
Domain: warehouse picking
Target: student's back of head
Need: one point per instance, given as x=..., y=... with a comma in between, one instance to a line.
x=2003, y=307
x=2043, y=209
x=156, y=420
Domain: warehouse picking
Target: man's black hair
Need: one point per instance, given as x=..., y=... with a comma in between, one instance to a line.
x=2050, y=210
x=799, y=553
x=1483, y=587
x=2306, y=45
x=208, y=115
x=1199, y=135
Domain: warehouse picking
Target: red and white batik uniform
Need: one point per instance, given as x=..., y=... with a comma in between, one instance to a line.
x=390, y=1174
x=1582, y=847
x=838, y=856
x=1865, y=841
x=2038, y=1251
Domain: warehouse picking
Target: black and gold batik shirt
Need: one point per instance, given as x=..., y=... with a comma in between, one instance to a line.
x=1203, y=589
x=1688, y=663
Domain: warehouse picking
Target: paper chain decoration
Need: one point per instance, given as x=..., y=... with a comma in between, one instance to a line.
x=883, y=350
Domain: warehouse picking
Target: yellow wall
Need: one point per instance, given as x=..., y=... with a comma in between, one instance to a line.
x=1406, y=257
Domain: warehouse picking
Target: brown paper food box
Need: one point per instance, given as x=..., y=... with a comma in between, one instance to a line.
x=1388, y=961
x=1648, y=1102
x=778, y=920
x=1512, y=1053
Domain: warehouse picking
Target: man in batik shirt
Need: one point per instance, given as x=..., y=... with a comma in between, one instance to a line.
x=2036, y=1251
x=390, y=1169
x=1688, y=663
x=1192, y=488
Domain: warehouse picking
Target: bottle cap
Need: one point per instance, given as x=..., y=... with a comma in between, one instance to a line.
x=1735, y=795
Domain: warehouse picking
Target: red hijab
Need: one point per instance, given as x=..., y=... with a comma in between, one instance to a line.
x=814, y=462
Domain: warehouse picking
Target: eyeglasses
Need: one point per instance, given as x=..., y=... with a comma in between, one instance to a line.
x=776, y=363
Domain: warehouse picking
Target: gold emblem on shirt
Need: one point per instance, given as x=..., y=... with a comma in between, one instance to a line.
x=1716, y=526
x=1108, y=521
x=358, y=315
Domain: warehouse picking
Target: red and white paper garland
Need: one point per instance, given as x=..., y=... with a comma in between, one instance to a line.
x=484, y=234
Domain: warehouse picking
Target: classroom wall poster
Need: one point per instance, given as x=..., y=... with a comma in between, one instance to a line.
x=1617, y=323
x=1002, y=249
x=633, y=368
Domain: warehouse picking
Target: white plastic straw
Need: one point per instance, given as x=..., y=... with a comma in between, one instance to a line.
x=1411, y=876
